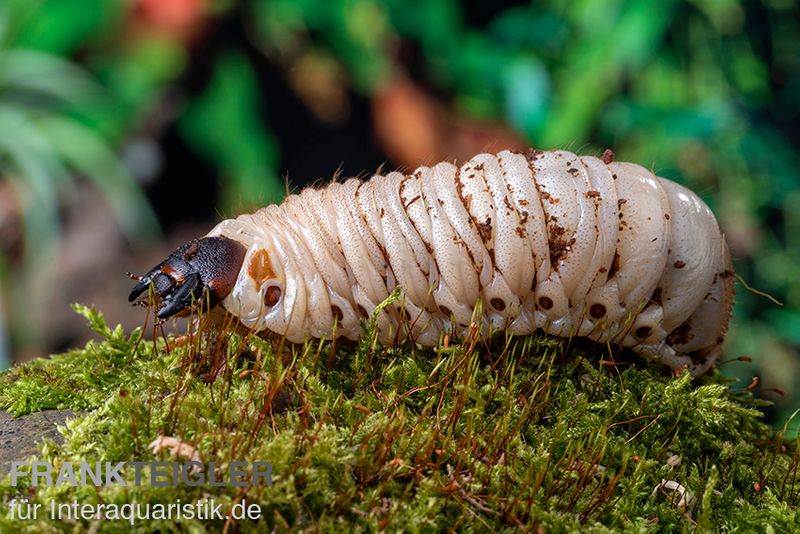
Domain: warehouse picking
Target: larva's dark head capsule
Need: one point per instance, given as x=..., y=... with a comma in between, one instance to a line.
x=201, y=271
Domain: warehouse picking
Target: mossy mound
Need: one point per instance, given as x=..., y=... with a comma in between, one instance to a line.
x=484, y=435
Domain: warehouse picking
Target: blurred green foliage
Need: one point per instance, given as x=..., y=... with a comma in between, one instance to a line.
x=247, y=158
x=46, y=138
x=707, y=92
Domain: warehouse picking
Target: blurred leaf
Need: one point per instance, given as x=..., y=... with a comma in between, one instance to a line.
x=594, y=66
x=436, y=23
x=29, y=76
x=527, y=94
x=86, y=153
x=28, y=160
x=356, y=31
x=628, y=117
x=726, y=15
x=787, y=322
x=61, y=26
x=224, y=124
x=279, y=23
x=533, y=27
x=42, y=143
x=141, y=72
x=360, y=40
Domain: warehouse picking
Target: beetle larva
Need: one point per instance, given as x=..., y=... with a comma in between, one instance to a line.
x=543, y=240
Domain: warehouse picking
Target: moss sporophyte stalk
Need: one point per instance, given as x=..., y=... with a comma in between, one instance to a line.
x=496, y=433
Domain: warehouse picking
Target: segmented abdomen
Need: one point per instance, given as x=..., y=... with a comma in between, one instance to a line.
x=544, y=240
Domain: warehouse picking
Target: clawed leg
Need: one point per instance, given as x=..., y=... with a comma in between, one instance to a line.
x=203, y=271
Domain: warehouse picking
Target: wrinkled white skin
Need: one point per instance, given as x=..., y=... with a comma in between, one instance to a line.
x=544, y=240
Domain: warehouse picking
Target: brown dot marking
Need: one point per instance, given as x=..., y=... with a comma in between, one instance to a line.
x=191, y=252
x=445, y=310
x=362, y=311
x=597, y=310
x=643, y=331
x=485, y=229
x=546, y=302
x=608, y=156
x=533, y=154
x=498, y=304
x=558, y=245
x=260, y=268
x=680, y=264
x=337, y=313
x=272, y=296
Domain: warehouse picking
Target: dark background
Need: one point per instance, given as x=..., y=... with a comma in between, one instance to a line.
x=128, y=127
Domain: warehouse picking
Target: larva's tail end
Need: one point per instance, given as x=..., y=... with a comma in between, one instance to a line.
x=705, y=359
x=727, y=279
x=697, y=343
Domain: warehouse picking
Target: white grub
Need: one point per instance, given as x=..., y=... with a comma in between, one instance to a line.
x=571, y=245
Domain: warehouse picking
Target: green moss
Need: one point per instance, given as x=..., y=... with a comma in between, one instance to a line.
x=484, y=435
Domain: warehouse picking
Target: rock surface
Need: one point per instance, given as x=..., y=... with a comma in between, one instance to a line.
x=20, y=436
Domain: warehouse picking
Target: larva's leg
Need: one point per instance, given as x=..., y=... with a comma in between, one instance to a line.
x=203, y=270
